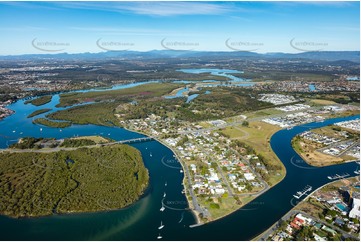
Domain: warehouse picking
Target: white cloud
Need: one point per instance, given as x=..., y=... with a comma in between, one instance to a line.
x=156, y=8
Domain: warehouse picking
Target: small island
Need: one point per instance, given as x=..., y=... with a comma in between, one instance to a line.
x=38, y=112
x=40, y=100
x=51, y=123
x=85, y=179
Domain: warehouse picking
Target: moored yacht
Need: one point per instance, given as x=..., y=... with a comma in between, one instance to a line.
x=161, y=225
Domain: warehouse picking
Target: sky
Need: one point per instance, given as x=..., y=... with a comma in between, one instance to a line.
x=77, y=27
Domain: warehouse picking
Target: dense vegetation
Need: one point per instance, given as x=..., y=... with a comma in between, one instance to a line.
x=37, y=112
x=26, y=143
x=97, y=113
x=77, y=142
x=82, y=180
x=222, y=102
x=125, y=95
x=40, y=100
x=49, y=123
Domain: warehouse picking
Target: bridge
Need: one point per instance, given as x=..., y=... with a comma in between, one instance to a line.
x=135, y=140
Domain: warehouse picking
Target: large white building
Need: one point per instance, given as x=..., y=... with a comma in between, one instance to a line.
x=355, y=211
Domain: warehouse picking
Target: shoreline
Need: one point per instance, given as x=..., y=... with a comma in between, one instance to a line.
x=191, y=208
x=320, y=166
x=256, y=238
x=103, y=209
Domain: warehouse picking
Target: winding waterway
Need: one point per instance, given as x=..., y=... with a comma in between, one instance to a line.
x=141, y=220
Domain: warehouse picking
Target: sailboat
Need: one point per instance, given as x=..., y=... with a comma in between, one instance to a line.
x=41, y=129
x=150, y=155
x=161, y=225
x=164, y=195
x=162, y=209
x=165, y=184
x=159, y=236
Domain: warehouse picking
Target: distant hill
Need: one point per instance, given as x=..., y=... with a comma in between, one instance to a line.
x=353, y=56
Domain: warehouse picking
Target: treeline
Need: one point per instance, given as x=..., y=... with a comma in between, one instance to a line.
x=77, y=142
x=26, y=143
x=96, y=179
x=97, y=113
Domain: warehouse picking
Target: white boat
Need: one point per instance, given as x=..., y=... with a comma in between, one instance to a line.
x=61, y=130
x=41, y=129
x=14, y=131
x=159, y=236
x=162, y=209
x=181, y=171
x=164, y=195
x=21, y=132
x=183, y=191
x=161, y=225
x=150, y=155
x=165, y=184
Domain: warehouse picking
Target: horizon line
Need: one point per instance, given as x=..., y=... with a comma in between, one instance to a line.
x=199, y=51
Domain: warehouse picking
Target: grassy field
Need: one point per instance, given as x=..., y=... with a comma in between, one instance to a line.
x=236, y=133
x=125, y=95
x=226, y=205
x=322, y=102
x=98, y=113
x=258, y=135
x=52, y=124
x=344, y=114
x=263, y=113
x=40, y=100
x=37, y=112
x=96, y=138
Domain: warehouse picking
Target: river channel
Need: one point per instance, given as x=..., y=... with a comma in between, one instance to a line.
x=141, y=220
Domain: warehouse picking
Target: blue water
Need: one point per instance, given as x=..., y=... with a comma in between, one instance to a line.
x=312, y=87
x=191, y=97
x=178, y=94
x=353, y=78
x=234, y=81
x=141, y=220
